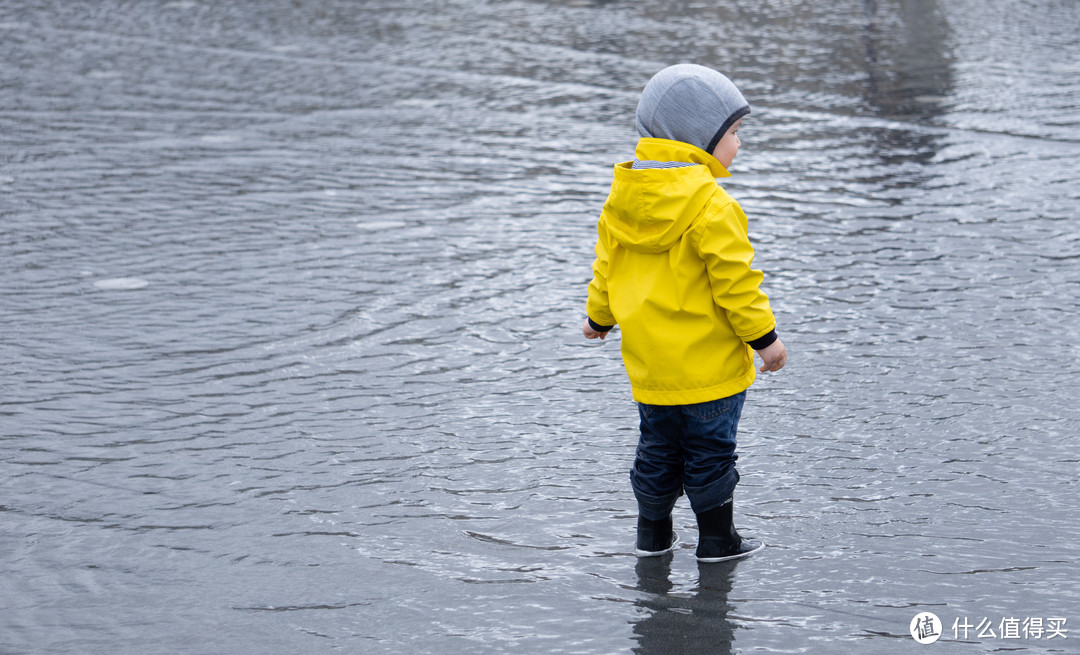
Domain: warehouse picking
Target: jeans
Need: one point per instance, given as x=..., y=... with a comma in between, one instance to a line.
x=686, y=447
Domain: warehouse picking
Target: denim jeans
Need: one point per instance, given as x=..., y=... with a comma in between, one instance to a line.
x=686, y=447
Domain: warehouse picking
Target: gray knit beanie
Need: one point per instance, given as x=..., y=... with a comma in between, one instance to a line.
x=690, y=103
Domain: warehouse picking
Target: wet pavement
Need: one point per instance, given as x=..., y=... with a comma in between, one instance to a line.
x=290, y=354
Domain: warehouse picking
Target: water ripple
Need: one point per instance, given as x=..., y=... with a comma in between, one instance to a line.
x=289, y=332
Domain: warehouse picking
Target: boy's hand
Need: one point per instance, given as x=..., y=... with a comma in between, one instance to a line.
x=591, y=333
x=774, y=356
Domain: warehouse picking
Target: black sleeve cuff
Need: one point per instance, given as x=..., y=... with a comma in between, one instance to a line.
x=763, y=342
x=599, y=328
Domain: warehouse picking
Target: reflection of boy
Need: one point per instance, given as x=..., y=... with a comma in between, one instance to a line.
x=673, y=270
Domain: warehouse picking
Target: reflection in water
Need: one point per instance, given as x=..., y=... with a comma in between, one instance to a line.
x=693, y=623
x=908, y=75
x=908, y=61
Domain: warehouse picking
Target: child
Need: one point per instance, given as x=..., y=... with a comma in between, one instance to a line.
x=673, y=270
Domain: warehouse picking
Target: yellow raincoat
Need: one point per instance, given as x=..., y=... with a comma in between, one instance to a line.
x=673, y=270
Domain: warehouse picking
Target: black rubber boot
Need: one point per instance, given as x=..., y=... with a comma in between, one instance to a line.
x=718, y=540
x=654, y=538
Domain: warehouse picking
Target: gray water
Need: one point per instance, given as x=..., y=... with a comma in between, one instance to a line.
x=290, y=305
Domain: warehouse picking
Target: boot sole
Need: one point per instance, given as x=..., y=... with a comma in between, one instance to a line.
x=657, y=553
x=710, y=560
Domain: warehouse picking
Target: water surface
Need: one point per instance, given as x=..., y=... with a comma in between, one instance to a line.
x=290, y=354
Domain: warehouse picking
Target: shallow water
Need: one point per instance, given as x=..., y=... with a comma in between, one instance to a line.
x=290, y=356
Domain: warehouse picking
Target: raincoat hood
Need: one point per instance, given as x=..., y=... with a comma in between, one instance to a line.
x=649, y=209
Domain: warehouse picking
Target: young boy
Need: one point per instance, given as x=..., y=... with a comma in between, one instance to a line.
x=673, y=270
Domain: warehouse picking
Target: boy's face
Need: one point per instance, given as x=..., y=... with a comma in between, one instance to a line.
x=728, y=146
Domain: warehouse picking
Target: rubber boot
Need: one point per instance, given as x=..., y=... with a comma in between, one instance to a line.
x=654, y=538
x=718, y=540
